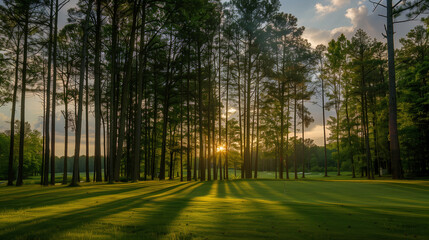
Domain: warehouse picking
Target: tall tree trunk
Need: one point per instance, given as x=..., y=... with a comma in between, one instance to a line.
x=324, y=128
x=83, y=59
x=139, y=96
x=54, y=93
x=209, y=155
x=126, y=90
x=252, y=135
x=171, y=173
x=66, y=117
x=294, y=133
x=337, y=110
x=302, y=131
x=393, y=125
x=220, y=109
x=181, y=138
x=248, y=168
x=48, y=95
x=257, y=125
x=19, y=181
x=349, y=140
x=287, y=131
x=165, y=111
x=154, y=128
x=367, y=146
x=200, y=113
x=44, y=119
x=105, y=149
x=66, y=133
x=181, y=127
x=154, y=131
x=97, y=94
x=196, y=108
x=226, y=118
x=239, y=111
x=113, y=83
x=147, y=134
x=281, y=130
x=87, y=123
x=12, y=117
x=188, y=108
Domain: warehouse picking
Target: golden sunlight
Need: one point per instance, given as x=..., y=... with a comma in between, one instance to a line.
x=221, y=149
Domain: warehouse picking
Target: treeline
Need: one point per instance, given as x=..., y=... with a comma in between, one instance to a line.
x=203, y=82
x=33, y=153
x=354, y=71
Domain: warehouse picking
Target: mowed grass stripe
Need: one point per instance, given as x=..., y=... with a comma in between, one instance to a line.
x=239, y=209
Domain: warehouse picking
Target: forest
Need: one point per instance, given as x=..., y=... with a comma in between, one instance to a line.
x=204, y=90
x=204, y=86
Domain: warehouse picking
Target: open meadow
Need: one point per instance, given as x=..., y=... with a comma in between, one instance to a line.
x=316, y=208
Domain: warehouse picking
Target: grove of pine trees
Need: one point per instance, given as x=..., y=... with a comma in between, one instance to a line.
x=197, y=87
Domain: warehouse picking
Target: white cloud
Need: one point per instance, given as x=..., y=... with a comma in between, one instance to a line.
x=333, y=6
x=316, y=133
x=324, y=9
x=358, y=17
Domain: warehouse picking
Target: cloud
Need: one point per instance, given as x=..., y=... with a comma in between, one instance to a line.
x=333, y=6
x=318, y=36
x=316, y=133
x=358, y=17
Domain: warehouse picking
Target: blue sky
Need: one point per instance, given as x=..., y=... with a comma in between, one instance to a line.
x=323, y=20
x=326, y=19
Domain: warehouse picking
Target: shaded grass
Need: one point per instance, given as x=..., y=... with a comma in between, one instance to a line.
x=261, y=175
x=333, y=208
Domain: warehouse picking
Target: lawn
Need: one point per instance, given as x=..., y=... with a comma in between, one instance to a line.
x=316, y=208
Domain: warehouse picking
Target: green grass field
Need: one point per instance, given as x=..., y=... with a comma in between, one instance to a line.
x=316, y=208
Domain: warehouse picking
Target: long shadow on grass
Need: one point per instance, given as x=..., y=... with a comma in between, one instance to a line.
x=36, y=190
x=48, y=227
x=159, y=221
x=334, y=220
x=64, y=196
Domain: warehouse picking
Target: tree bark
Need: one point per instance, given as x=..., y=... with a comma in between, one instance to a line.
x=188, y=108
x=324, y=128
x=19, y=181
x=138, y=117
x=393, y=125
x=12, y=117
x=87, y=123
x=200, y=113
x=54, y=93
x=126, y=90
x=113, y=103
x=97, y=94
x=78, y=134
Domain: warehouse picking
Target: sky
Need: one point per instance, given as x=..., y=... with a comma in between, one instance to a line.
x=323, y=20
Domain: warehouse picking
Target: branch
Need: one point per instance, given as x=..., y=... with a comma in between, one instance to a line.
x=377, y=4
x=407, y=20
x=411, y=6
x=397, y=3
x=62, y=4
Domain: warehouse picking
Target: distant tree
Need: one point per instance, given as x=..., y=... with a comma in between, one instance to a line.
x=413, y=87
x=11, y=36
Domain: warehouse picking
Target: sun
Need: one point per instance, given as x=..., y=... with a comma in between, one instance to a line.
x=221, y=149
